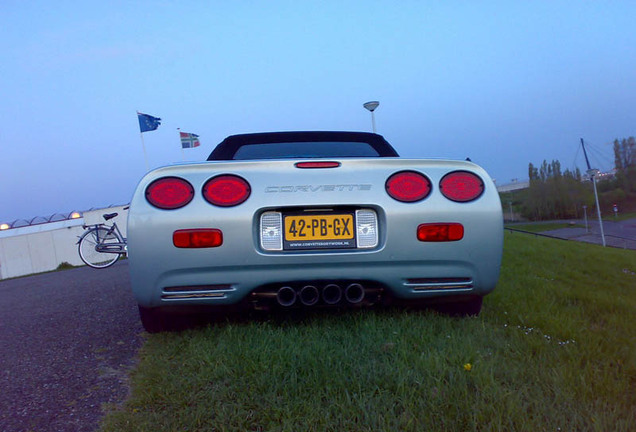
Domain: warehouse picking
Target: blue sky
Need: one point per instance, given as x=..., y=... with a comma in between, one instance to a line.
x=504, y=83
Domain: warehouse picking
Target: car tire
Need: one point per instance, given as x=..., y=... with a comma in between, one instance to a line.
x=464, y=308
x=154, y=320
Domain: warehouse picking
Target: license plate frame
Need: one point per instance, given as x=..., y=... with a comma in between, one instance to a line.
x=319, y=230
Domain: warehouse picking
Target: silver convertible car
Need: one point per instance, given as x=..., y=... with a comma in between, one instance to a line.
x=312, y=219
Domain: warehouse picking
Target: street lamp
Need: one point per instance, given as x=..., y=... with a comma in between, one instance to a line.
x=593, y=173
x=371, y=106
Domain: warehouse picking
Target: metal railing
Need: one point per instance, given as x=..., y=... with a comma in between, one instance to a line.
x=618, y=241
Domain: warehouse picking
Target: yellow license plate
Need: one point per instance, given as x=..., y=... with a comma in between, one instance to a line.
x=319, y=227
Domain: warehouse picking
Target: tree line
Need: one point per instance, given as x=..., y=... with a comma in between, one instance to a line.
x=625, y=164
x=554, y=194
x=557, y=194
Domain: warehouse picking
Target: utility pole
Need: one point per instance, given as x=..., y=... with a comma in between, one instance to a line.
x=593, y=173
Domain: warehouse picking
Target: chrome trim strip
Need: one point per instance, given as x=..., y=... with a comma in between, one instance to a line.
x=192, y=296
x=440, y=286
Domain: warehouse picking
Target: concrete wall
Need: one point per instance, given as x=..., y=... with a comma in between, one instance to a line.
x=43, y=247
x=513, y=186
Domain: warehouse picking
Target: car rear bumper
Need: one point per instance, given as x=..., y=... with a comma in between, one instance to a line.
x=229, y=285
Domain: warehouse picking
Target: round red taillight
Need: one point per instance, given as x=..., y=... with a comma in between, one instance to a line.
x=226, y=190
x=408, y=186
x=461, y=186
x=169, y=193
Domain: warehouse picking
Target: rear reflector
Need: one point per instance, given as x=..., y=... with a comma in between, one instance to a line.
x=461, y=186
x=317, y=164
x=226, y=190
x=440, y=232
x=197, y=238
x=408, y=186
x=169, y=193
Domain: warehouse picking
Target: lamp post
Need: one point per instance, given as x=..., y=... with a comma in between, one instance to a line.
x=593, y=173
x=371, y=106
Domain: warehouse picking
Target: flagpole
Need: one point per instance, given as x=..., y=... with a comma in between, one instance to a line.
x=147, y=123
x=143, y=145
x=182, y=155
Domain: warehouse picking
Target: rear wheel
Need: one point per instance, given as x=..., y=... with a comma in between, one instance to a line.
x=153, y=320
x=157, y=320
x=88, y=243
x=470, y=307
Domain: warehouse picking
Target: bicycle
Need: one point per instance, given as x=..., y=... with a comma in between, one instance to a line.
x=102, y=245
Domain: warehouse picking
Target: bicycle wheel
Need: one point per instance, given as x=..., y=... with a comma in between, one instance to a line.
x=88, y=242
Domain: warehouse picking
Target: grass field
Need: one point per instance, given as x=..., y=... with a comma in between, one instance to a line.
x=619, y=217
x=552, y=350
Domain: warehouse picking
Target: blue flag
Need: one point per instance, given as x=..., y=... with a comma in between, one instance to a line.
x=148, y=122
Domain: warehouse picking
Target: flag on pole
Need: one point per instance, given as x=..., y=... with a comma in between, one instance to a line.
x=148, y=122
x=189, y=140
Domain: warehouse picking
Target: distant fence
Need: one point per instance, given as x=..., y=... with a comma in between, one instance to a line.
x=612, y=241
x=533, y=233
x=38, y=220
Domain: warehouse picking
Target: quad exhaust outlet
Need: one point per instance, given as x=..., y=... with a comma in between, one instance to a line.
x=309, y=295
x=286, y=296
x=354, y=293
x=331, y=294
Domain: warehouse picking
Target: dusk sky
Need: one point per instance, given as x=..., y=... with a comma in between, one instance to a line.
x=504, y=83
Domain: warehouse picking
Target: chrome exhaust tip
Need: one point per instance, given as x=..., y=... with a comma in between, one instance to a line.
x=309, y=295
x=354, y=293
x=286, y=296
x=331, y=294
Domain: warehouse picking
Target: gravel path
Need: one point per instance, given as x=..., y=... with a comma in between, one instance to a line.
x=67, y=342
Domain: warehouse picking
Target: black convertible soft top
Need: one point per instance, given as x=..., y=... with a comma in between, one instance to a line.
x=228, y=148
